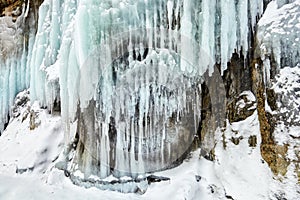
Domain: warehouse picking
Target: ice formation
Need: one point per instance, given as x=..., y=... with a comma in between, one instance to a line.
x=14, y=73
x=278, y=36
x=127, y=74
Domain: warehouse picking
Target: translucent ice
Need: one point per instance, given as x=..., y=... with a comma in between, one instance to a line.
x=14, y=72
x=128, y=73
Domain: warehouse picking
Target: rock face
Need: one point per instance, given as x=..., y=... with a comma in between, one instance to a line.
x=144, y=103
x=241, y=107
x=18, y=26
x=284, y=117
x=277, y=89
x=275, y=95
x=11, y=35
x=139, y=110
x=11, y=8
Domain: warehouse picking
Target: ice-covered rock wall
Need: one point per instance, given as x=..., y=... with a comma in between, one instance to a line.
x=278, y=36
x=278, y=45
x=219, y=28
x=127, y=74
x=14, y=47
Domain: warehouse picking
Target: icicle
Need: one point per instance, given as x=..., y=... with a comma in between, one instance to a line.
x=148, y=90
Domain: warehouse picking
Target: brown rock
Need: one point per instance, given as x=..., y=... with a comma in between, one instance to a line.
x=252, y=141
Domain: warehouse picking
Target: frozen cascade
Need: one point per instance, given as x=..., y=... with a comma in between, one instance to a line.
x=14, y=73
x=127, y=74
x=44, y=80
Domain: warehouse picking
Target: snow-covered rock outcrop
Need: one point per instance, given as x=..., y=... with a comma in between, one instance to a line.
x=278, y=36
x=278, y=44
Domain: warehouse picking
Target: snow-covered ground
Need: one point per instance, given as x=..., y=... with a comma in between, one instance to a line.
x=32, y=153
x=28, y=157
x=278, y=33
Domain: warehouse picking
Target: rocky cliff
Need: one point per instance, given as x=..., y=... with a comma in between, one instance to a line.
x=175, y=100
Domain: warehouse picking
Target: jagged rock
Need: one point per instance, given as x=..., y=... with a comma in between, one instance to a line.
x=229, y=197
x=252, y=140
x=272, y=153
x=140, y=191
x=25, y=114
x=297, y=170
x=212, y=114
x=198, y=178
x=210, y=156
x=21, y=101
x=212, y=188
x=237, y=140
x=275, y=156
x=67, y=173
x=241, y=107
x=153, y=179
x=34, y=122
x=11, y=8
x=21, y=170
x=280, y=196
x=271, y=98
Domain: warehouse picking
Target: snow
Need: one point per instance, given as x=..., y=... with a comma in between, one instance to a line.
x=278, y=32
x=63, y=64
x=11, y=34
x=57, y=62
x=286, y=86
x=34, y=188
x=69, y=49
x=29, y=158
x=245, y=162
x=38, y=149
x=248, y=99
x=40, y=146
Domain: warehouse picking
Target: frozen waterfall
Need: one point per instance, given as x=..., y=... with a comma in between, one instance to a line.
x=15, y=48
x=127, y=75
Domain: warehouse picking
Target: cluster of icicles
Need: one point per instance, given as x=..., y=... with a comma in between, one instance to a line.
x=128, y=75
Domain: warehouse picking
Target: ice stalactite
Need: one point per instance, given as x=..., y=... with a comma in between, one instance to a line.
x=139, y=112
x=127, y=74
x=44, y=54
x=137, y=66
x=224, y=27
x=14, y=72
